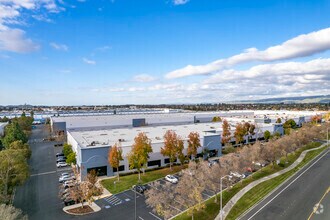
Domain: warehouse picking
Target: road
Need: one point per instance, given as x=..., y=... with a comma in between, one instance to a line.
x=296, y=198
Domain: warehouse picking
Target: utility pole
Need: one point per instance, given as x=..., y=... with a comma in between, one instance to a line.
x=135, y=204
x=221, y=211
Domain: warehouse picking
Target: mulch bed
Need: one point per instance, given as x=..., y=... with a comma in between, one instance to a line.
x=81, y=210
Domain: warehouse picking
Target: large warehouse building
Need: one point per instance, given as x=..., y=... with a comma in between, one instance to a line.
x=92, y=136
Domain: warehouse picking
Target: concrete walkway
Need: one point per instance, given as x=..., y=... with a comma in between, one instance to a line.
x=235, y=198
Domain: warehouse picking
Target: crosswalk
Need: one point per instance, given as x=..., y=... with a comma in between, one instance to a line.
x=113, y=200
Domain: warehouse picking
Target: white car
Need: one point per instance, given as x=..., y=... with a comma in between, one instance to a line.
x=65, y=178
x=61, y=164
x=171, y=179
x=237, y=175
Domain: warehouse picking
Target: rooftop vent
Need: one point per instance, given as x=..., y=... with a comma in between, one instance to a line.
x=121, y=140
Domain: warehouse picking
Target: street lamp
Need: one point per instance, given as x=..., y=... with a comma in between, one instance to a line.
x=221, y=213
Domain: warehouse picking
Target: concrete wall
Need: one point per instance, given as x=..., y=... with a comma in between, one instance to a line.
x=58, y=126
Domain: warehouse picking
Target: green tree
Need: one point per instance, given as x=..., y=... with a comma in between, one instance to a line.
x=13, y=132
x=71, y=158
x=267, y=135
x=279, y=120
x=115, y=155
x=67, y=149
x=139, y=154
x=23, y=147
x=288, y=125
x=14, y=170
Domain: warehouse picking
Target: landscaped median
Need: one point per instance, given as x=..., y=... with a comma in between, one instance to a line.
x=212, y=209
x=127, y=181
x=78, y=209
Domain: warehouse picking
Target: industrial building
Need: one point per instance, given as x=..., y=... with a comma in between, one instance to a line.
x=91, y=137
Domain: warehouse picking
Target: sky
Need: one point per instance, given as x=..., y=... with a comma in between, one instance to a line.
x=100, y=52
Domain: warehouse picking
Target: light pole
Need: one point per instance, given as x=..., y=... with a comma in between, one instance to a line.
x=221, y=213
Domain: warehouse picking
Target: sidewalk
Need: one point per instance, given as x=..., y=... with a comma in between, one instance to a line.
x=235, y=198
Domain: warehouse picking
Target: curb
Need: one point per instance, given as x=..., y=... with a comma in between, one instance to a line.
x=93, y=206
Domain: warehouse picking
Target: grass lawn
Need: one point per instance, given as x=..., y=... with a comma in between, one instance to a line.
x=126, y=182
x=212, y=208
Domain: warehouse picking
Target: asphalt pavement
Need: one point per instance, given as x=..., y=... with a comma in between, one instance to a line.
x=295, y=199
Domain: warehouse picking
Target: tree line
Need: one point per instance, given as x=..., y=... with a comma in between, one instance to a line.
x=187, y=194
x=14, y=154
x=173, y=149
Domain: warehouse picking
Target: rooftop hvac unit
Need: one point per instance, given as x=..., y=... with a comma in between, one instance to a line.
x=121, y=140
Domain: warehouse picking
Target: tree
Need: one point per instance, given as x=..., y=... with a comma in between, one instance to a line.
x=225, y=136
x=179, y=152
x=23, y=147
x=216, y=119
x=13, y=132
x=9, y=212
x=67, y=149
x=267, y=135
x=14, y=170
x=278, y=120
x=71, y=159
x=193, y=144
x=171, y=144
x=239, y=133
x=288, y=125
x=139, y=154
x=115, y=155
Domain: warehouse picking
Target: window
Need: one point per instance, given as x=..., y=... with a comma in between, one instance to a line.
x=121, y=168
x=154, y=163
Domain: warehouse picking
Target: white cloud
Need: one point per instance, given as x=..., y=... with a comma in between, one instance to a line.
x=300, y=46
x=180, y=2
x=143, y=78
x=88, y=61
x=56, y=46
x=12, y=13
x=290, y=69
x=14, y=40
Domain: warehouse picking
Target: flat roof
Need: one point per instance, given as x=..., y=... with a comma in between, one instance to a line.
x=155, y=133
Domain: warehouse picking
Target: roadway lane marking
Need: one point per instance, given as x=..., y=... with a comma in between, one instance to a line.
x=288, y=185
x=45, y=173
x=155, y=216
x=318, y=204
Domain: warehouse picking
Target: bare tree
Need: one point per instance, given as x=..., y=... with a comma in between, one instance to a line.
x=9, y=212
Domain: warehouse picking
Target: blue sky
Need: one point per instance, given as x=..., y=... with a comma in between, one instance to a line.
x=161, y=51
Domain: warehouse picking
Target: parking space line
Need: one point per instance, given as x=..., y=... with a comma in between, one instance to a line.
x=45, y=173
x=155, y=216
x=176, y=208
x=206, y=195
x=127, y=195
x=141, y=218
x=136, y=193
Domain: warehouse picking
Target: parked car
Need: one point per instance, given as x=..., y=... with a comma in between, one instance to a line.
x=235, y=174
x=59, y=155
x=66, y=178
x=68, y=184
x=171, y=179
x=246, y=174
x=139, y=188
x=61, y=164
x=69, y=201
x=64, y=174
x=60, y=160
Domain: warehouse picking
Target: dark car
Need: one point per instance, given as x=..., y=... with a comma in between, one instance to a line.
x=69, y=201
x=59, y=155
x=139, y=188
x=246, y=174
